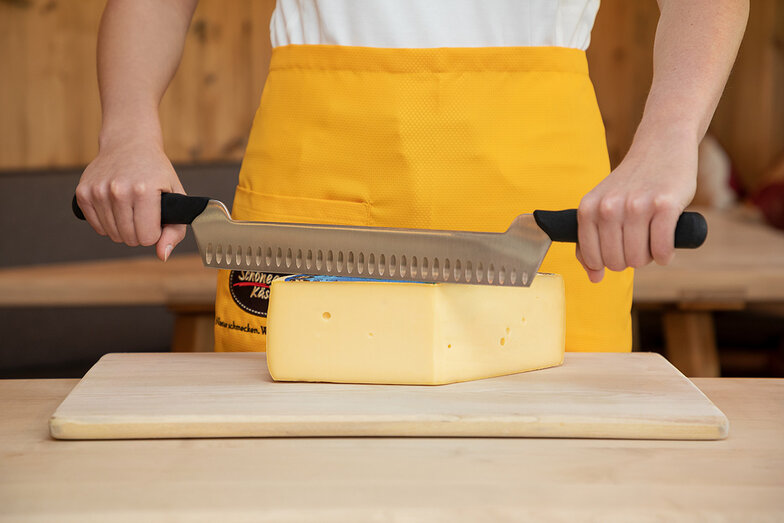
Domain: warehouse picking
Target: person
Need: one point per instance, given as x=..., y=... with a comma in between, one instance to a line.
x=442, y=114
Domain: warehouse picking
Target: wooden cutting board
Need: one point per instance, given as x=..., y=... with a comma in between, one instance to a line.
x=192, y=395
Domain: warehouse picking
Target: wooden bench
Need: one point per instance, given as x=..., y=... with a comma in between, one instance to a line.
x=740, y=266
x=182, y=284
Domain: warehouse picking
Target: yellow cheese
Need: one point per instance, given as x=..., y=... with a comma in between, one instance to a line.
x=412, y=333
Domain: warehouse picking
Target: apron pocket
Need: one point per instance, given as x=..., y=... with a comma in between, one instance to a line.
x=256, y=206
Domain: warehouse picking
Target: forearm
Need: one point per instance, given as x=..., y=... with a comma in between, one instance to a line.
x=140, y=43
x=630, y=217
x=696, y=44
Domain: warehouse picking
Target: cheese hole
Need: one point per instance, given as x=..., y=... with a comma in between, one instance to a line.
x=326, y=316
x=503, y=341
x=508, y=330
x=523, y=320
x=370, y=334
x=449, y=346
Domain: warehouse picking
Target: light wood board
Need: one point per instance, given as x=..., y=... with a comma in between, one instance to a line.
x=593, y=395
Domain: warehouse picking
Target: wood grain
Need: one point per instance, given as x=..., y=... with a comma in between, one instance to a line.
x=394, y=479
x=636, y=396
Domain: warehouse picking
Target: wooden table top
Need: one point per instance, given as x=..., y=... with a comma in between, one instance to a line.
x=374, y=479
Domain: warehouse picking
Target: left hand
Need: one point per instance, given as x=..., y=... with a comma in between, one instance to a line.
x=629, y=219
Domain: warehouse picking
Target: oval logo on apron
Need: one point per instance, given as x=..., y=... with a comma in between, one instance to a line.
x=250, y=290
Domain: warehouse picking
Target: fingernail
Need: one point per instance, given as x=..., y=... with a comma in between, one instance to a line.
x=167, y=252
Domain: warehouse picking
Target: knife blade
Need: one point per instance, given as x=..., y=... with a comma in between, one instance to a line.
x=510, y=258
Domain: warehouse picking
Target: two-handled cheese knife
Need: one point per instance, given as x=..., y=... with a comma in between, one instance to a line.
x=509, y=258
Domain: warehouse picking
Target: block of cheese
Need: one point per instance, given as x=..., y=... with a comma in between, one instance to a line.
x=346, y=330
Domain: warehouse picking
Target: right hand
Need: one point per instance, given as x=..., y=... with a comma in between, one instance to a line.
x=120, y=194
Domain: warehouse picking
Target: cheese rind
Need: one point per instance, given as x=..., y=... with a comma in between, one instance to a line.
x=412, y=333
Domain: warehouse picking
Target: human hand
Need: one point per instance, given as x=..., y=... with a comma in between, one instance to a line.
x=120, y=194
x=629, y=218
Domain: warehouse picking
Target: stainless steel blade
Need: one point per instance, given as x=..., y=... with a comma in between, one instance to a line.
x=509, y=258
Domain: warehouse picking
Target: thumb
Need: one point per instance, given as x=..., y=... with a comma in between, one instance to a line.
x=171, y=235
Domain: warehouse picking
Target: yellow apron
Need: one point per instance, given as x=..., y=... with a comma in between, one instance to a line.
x=446, y=138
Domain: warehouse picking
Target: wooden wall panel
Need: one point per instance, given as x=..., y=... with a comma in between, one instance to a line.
x=208, y=111
x=48, y=93
x=621, y=63
x=749, y=120
x=51, y=114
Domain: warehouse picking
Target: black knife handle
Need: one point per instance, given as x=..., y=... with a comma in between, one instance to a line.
x=175, y=208
x=561, y=226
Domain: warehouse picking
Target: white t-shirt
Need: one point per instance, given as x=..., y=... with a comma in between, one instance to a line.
x=434, y=23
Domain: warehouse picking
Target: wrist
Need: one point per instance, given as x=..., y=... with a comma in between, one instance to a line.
x=119, y=130
x=664, y=135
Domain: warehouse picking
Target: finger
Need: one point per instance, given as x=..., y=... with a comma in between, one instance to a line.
x=122, y=210
x=147, y=218
x=611, y=234
x=103, y=210
x=89, y=213
x=171, y=235
x=594, y=276
x=636, y=233
x=588, y=237
x=663, y=232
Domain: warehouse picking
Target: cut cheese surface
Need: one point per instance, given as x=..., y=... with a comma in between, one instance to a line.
x=366, y=331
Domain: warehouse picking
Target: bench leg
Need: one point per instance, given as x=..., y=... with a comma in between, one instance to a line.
x=690, y=339
x=193, y=331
